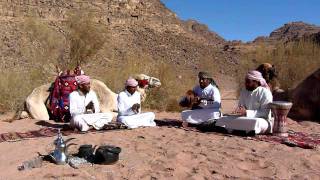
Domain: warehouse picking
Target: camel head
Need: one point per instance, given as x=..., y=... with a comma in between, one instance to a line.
x=268, y=71
x=147, y=81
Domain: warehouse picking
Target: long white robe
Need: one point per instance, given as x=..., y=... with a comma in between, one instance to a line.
x=210, y=106
x=79, y=118
x=258, y=115
x=127, y=116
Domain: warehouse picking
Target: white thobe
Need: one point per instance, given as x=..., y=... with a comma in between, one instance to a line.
x=127, y=116
x=258, y=117
x=209, y=106
x=79, y=118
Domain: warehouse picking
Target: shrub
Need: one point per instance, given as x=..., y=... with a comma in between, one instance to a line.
x=293, y=61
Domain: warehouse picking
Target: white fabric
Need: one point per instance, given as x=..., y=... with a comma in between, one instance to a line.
x=209, y=93
x=82, y=121
x=260, y=119
x=130, y=118
x=210, y=105
x=138, y=120
x=257, y=100
x=258, y=125
x=199, y=116
x=126, y=101
x=79, y=101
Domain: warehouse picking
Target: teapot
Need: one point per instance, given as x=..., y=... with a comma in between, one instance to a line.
x=60, y=153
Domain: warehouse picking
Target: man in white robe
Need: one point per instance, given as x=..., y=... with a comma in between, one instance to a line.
x=129, y=107
x=253, y=113
x=84, y=107
x=208, y=102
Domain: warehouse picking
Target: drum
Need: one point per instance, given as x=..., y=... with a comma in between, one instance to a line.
x=280, y=110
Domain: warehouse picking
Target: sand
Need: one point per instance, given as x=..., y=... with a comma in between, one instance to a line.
x=167, y=153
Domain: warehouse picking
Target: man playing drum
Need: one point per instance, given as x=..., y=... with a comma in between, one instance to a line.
x=253, y=112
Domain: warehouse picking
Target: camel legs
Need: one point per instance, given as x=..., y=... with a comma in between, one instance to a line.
x=35, y=103
x=37, y=110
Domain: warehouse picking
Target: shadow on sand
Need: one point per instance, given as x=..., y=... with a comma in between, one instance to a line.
x=203, y=128
x=62, y=126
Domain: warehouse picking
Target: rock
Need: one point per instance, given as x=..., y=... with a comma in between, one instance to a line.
x=291, y=32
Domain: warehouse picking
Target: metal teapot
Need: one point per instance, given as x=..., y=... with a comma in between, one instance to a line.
x=60, y=153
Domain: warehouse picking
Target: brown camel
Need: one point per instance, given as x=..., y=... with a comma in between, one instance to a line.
x=269, y=73
x=306, y=98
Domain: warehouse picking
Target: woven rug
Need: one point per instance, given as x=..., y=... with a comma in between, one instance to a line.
x=294, y=139
x=49, y=132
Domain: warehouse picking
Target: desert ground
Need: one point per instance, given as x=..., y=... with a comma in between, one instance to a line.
x=166, y=152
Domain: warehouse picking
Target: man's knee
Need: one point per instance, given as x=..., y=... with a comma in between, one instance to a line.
x=108, y=116
x=151, y=115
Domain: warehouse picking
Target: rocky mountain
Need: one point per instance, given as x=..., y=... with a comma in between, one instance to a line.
x=291, y=32
x=134, y=27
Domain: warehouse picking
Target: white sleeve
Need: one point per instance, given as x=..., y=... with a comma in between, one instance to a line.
x=73, y=105
x=122, y=108
x=216, y=98
x=264, y=110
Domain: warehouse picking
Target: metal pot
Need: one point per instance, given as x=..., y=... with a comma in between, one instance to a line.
x=107, y=154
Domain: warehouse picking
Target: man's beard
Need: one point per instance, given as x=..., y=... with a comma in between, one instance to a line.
x=250, y=88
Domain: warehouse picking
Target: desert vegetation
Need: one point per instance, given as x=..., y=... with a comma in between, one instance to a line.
x=82, y=39
x=78, y=42
x=293, y=61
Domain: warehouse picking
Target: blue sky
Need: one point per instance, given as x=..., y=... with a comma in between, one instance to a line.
x=246, y=19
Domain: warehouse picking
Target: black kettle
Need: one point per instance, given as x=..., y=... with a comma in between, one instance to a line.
x=86, y=152
x=107, y=154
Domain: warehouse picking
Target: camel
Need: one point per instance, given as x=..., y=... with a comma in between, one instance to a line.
x=269, y=73
x=306, y=98
x=36, y=101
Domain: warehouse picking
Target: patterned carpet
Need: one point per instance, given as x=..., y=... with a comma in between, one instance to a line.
x=49, y=132
x=294, y=139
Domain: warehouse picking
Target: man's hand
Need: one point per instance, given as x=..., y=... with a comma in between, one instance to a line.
x=241, y=110
x=197, y=100
x=135, y=108
x=90, y=106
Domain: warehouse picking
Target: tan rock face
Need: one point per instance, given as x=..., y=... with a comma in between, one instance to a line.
x=134, y=26
x=290, y=32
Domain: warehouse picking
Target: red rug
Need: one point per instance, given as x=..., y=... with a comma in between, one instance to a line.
x=294, y=139
x=49, y=132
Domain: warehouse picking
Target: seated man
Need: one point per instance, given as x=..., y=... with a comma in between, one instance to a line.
x=207, y=102
x=129, y=107
x=84, y=107
x=253, y=113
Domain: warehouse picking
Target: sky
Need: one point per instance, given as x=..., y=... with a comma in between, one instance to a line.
x=246, y=19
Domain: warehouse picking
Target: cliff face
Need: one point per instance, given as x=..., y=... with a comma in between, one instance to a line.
x=134, y=26
x=291, y=32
